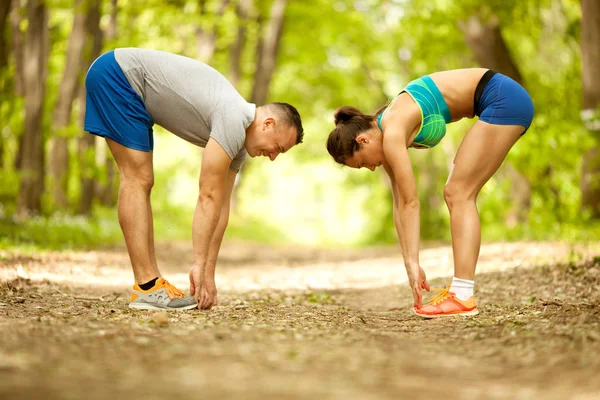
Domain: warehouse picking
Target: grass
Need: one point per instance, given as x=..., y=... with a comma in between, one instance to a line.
x=59, y=232
x=68, y=232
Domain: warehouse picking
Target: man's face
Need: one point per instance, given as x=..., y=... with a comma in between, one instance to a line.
x=271, y=139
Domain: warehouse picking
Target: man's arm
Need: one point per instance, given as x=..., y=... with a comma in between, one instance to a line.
x=215, y=243
x=213, y=174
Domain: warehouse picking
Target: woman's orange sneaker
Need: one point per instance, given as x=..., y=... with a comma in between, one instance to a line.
x=445, y=304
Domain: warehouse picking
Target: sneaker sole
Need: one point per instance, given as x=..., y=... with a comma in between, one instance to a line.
x=148, y=306
x=459, y=314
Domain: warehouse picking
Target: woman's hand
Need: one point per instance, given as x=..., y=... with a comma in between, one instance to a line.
x=418, y=281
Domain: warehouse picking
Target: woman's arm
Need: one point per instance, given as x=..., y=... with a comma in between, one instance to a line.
x=406, y=206
x=396, y=212
x=406, y=200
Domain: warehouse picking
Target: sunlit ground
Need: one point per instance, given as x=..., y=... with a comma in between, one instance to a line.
x=302, y=323
x=247, y=267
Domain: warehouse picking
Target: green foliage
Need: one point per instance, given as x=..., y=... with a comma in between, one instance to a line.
x=65, y=232
x=256, y=230
x=59, y=232
x=319, y=298
x=332, y=53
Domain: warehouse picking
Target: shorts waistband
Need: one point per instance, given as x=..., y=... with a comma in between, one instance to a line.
x=489, y=74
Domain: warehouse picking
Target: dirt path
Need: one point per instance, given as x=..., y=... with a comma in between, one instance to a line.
x=302, y=324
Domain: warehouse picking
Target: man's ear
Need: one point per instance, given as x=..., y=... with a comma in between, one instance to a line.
x=268, y=123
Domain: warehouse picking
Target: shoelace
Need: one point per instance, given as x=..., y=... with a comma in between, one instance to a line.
x=443, y=295
x=172, y=291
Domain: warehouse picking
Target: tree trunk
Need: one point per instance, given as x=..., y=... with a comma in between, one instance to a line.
x=242, y=10
x=17, y=50
x=590, y=59
x=87, y=141
x=59, y=154
x=206, y=39
x=4, y=11
x=268, y=48
x=34, y=77
x=520, y=193
x=17, y=45
x=490, y=50
x=5, y=89
x=106, y=190
x=111, y=29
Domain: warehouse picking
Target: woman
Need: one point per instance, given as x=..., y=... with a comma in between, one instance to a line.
x=417, y=118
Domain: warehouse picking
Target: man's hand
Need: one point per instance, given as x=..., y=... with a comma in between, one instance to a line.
x=417, y=280
x=210, y=296
x=204, y=290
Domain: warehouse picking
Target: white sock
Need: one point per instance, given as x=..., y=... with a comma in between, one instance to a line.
x=462, y=288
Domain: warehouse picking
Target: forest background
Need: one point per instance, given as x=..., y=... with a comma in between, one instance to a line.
x=58, y=184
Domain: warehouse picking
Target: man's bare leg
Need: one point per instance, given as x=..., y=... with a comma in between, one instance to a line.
x=134, y=209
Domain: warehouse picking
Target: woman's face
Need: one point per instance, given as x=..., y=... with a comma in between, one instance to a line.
x=370, y=154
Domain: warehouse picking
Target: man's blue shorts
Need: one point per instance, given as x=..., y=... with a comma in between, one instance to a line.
x=500, y=100
x=113, y=109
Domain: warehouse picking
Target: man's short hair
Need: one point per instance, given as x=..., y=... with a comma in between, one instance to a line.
x=290, y=116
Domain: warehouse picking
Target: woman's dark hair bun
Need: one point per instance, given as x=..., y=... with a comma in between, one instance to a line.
x=346, y=113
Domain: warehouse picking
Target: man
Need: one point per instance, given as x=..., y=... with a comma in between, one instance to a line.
x=129, y=90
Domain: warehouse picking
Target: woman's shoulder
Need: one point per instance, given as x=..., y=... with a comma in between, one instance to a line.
x=403, y=104
x=402, y=112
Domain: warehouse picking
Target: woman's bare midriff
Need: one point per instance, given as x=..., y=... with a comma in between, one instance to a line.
x=458, y=88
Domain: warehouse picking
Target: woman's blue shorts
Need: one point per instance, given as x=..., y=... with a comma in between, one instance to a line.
x=113, y=109
x=499, y=100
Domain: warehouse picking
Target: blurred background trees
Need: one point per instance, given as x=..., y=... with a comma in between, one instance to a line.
x=58, y=184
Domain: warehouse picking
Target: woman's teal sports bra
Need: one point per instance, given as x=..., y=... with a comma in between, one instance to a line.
x=434, y=111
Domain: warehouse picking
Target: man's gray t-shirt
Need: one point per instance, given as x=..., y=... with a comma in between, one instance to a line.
x=189, y=98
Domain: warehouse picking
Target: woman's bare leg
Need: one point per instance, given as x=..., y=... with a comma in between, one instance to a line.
x=479, y=156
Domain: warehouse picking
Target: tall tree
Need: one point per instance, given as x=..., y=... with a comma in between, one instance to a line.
x=106, y=189
x=4, y=12
x=4, y=50
x=59, y=153
x=590, y=59
x=206, y=32
x=242, y=11
x=17, y=46
x=485, y=39
x=34, y=76
x=86, y=141
x=490, y=50
x=267, y=50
